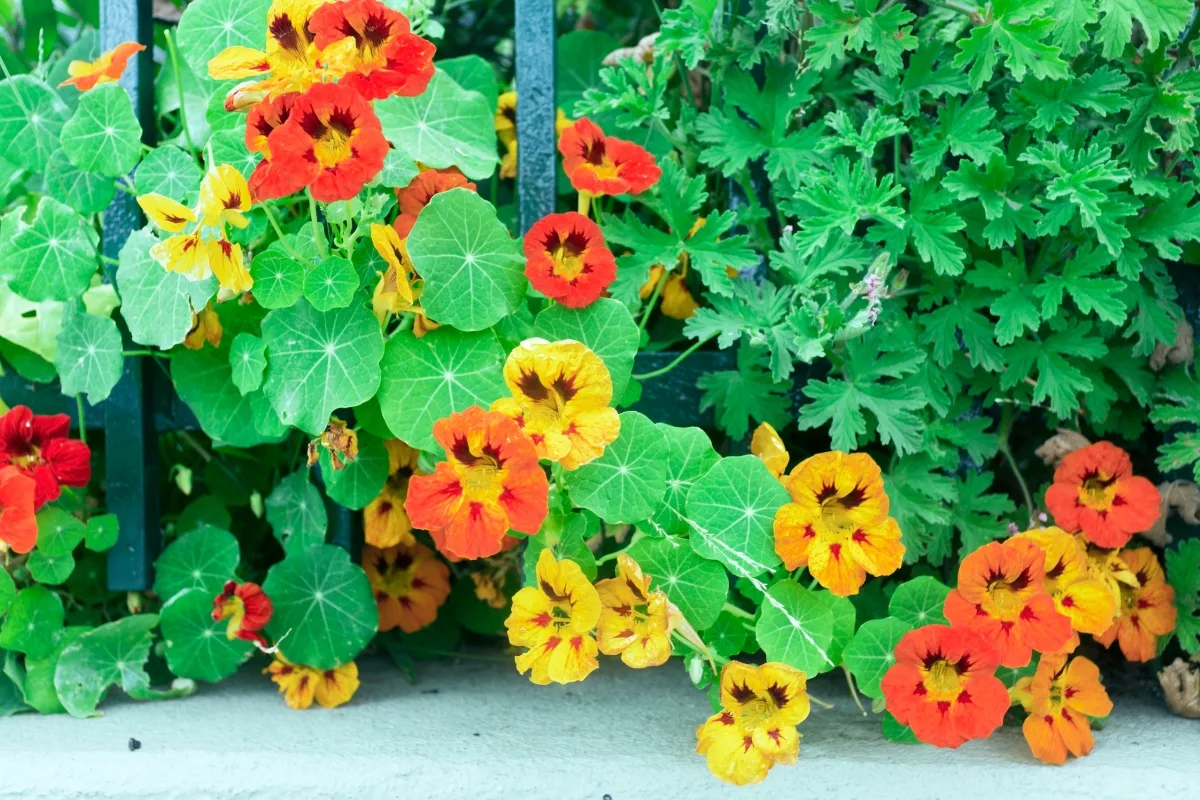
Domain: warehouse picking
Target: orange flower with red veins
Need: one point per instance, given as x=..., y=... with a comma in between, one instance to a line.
x=409, y=583
x=332, y=142
x=1060, y=698
x=264, y=118
x=490, y=482
x=1002, y=595
x=943, y=686
x=107, y=68
x=599, y=164
x=567, y=260
x=300, y=685
x=837, y=523
x=413, y=198
x=247, y=608
x=555, y=620
x=1095, y=491
x=1146, y=612
x=388, y=58
x=1085, y=600
x=18, y=523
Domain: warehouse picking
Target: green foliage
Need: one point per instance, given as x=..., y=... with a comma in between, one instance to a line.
x=1183, y=572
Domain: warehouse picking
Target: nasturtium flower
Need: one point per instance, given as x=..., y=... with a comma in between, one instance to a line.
x=597, y=164
x=490, y=482
x=18, y=522
x=385, y=522
x=555, y=620
x=561, y=391
x=1105, y=565
x=398, y=286
x=264, y=118
x=206, y=329
x=943, y=685
x=412, y=199
x=226, y=262
x=1060, y=697
x=1146, y=612
x=567, y=260
x=1096, y=492
x=756, y=727
x=674, y=299
x=169, y=215
x=186, y=253
x=387, y=58
x=635, y=623
x=247, y=608
x=300, y=685
x=1002, y=595
x=86, y=75
x=506, y=131
x=224, y=197
x=410, y=584
x=837, y=523
x=1084, y=600
x=769, y=448
x=40, y=448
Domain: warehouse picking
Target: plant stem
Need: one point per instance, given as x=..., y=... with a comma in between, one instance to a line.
x=737, y=611
x=962, y=8
x=653, y=299
x=818, y=701
x=678, y=360
x=316, y=225
x=282, y=239
x=853, y=690
x=1006, y=421
x=147, y=353
x=110, y=260
x=173, y=53
x=81, y=418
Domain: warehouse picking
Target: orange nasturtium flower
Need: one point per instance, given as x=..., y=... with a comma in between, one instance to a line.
x=1002, y=595
x=1095, y=491
x=107, y=68
x=599, y=164
x=247, y=608
x=1060, y=697
x=675, y=300
x=1084, y=600
x=756, y=727
x=1145, y=612
x=490, y=482
x=561, y=391
x=300, y=685
x=412, y=199
x=387, y=58
x=555, y=620
x=837, y=523
x=567, y=260
x=18, y=523
x=635, y=623
x=943, y=685
x=264, y=118
x=409, y=583
x=385, y=522
x=769, y=448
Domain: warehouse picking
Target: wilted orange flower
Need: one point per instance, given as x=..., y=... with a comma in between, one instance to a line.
x=943, y=685
x=1146, y=612
x=599, y=164
x=635, y=623
x=388, y=58
x=769, y=448
x=561, y=391
x=109, y=67
x=300, y=685
x=555, y=619
x=1060, y=697
x=247, y=608
x=413, y=198
x=566, y=259
x=1095, y=491
x=490, y=482
x=18, y=523
x=206, y=328
x=1084, y=600
x=385, y=522
x=837, y=523
x=409, y=583
x=756, y=728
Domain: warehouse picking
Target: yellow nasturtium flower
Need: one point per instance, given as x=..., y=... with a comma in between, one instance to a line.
x=300, y=685
x=505, y=122
x=1083, y=599
x=770, y=449
x=395, y=291
x=224, y=196
x=164, y=212
x=1107, y=566
x=555, y=620
x=635, y=623
x=385, y=522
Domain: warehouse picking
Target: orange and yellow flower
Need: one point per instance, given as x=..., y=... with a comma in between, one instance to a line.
x=675, y=299
x=599, y=164
x=386, y=57
x=561, y=391
x=1146, y=612
x=385, y=522
x=490, y=482
x=837, y=523
x=18, y=523
x=943, y=685
x=1084, y=600
x=413, y=198
x=1106, y=566
x=247, y=608
x=505, y=123
x=410, y=584
x=756, y=727
x=635, y=623
x=1095, y=491
x=555, y=620
x=1060, y=698
x=109, y=67
x=399, y=286
x=567, y=260
x=300, y=685
x=769, y=448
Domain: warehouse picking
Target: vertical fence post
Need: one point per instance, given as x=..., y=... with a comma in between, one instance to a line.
x=131, y=443
x=535, y=110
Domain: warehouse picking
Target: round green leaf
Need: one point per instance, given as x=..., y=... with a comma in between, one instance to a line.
x=626, y=483
x=331, y=284
x=39, y=672
x=474, y=272
x=359, y=481
x=919, y=602
x=726, y=636
x=278, y=279
x=296, y=513
x=699, y=587
x=209, y=26
x=475, y=74
x=157, y=304
x=51, y=258
x=247, y=361
x=319, y=361
x=229, y=147
x=893, y=731
x=842, y=612
x=58, y=532
x=113, y=654
x=690, y=454
x=435, y=376
x=872, y=652
x=168, y=171
x=398, y=170
x=565, y=536
x=103, y=135
x=31, y=114
x=201, y=559
x=86, y=192
x=35, y=614
x=204, y=380
x=8, y=590
x=795, y=627
x=50, y=570
x=102, y=532
x=324, y=604
x=89, y=355
x=732, y=513
x=605, y=326
x=197, y=647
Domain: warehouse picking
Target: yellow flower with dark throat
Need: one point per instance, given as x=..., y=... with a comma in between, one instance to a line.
x=635, y=623
x=385, y=522
x=555, y=620
x=300, y=685
x=1084, y=600
x=410, y=585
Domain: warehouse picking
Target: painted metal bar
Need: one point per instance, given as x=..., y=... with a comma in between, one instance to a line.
x=535, y=109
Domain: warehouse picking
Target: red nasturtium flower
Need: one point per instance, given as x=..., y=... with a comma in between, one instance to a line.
x=107, y=68
x=599, y=164
x=943, y=685
x=1095, y=491
x=388, y=58
x=247, y=608
x=567, y=260
x=262, y=119
x=1060, y=698
x=1145, y=612
x=413, y=198
x=39, y=448
x=489, y=482
x=409, y=583
x=18, y=524
x=1002, y=595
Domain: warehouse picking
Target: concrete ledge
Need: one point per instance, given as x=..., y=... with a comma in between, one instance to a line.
x=478, y=730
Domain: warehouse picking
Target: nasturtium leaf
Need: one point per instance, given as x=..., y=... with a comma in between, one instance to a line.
x=168, y=171
x=1009, y=676
x=473, y=73
x=324, y=604
x=445, y=126
x=31, y=120
x=919, y=602
x=432, y=377
x=627, y=482
x=278, y=279
x=35, y=614
x=731, y=511
x=157, y=304
x=605, y=326
x=51, y=258
x=370, y=419
x=699, y=587
x=398, y=171
x=319, y=361
x=205, y=510
x=229, y=147
x=102, y=532
x=842, y=612
x=8, y=591
x=474, y=272
x=103, y=135
x=565, y=536
x=359, y=481
x=50, y=570
x=12, y=694
x=331, y=284
x=197, y=646
x=209, y=26
x=796, y=627
x=202, y=559
x=247, y=361
x=114, y=654
x=893, y=731
x=89, y=355
x=726, y=636
x=204, y=380
x=58, y=532
x=872, y=652
x=39, y=672
x=690, y=454
x=86, y=192
x=297, y=513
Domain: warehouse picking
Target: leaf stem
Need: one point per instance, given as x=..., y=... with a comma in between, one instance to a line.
x=173, y=53
x=653, y=299
x=737, y=611
x=318, y=229
x=678, y=360
x=853, y=690
x=82, y=419
x=146, y=353
x=282, y=239
x=1006, y=422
